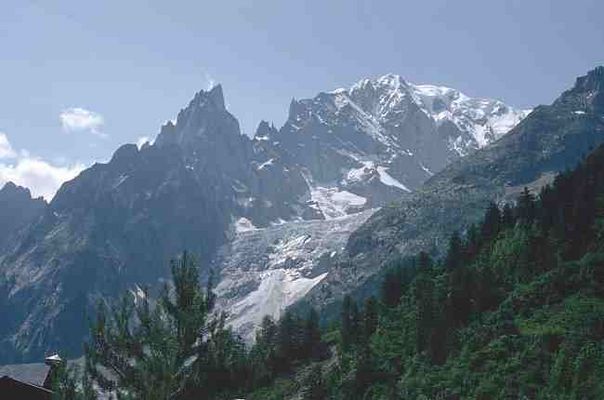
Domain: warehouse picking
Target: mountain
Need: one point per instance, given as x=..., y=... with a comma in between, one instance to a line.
x=118, y=224
x=17, y=210
x=513, y=312
x=358, y=149
x=269, y=212
x=550, y=139
x=365, y=146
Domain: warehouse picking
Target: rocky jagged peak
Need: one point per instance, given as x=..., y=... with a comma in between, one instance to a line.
x=587, y=95
x=593, y=85
x=125, y=154
x=213, y=98
x=592, y=81
x=265, y=130
x=295, y=108
x=12, y=191
x=390, y=81
x=17, y=209
x=386, y=83
x=206, y=115
x=10, y=187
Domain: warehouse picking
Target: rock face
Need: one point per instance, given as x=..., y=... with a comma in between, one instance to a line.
x=551, y=139
x=381, y=139
x=17, y=210
x=270, y=211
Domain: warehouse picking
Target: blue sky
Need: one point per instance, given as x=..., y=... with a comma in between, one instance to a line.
x=78, y=79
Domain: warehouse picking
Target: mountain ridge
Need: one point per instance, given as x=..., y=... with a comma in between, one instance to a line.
x=199, y=185
x=551, y=139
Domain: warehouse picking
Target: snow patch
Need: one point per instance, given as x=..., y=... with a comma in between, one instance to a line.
x=264, y=271
x=279, y=288
x=426, y=170
x=335, y=203
x=266, y=164
x=361, y=174
x=121, y=179
x=244, y=225
x=388, y=180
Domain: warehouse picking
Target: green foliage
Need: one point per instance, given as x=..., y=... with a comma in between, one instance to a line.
x=69, y=384
x=148, y=350
x=514, y=310
x=314, y=386
x=173, y=348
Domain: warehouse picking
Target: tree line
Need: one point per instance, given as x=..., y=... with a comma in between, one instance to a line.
x=513, y=309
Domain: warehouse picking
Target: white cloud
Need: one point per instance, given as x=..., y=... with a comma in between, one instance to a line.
x=77, y=119
x=41, y=177
x=6, y=150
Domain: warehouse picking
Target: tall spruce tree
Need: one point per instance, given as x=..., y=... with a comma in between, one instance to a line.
x=526, y=206
x=347, y=324
x=370, y=316
x=454, y=256
x=491, y=224
x=145, y=351
x=424, y=300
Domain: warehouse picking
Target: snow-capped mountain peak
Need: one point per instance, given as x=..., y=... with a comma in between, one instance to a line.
x=485, y=120
x=386, y=124
x=479, y=120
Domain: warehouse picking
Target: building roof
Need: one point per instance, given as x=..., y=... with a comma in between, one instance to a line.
x=13, y=389
x=34, y=373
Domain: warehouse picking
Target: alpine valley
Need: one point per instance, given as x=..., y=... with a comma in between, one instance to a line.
x=299, y=215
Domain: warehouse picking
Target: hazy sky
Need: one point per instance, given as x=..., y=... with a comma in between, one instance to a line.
x=79, y=78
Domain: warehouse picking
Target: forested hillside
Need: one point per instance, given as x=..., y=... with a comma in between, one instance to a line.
x=514, y=310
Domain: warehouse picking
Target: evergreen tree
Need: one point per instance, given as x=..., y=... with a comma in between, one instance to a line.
x=526, y=206
x=392, y=287
x=507, y=216
x=472, y=244
x=286, y=342
x=69, y=384
x=491, y=223
x=346, y=323
x=424, y=300
x=370, y=316
x=356, y=323
x=314, y=386
x=454, y=256
x=151, y=351
x=312, y=336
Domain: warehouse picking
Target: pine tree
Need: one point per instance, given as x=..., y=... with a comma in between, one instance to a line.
x=424, y=300
x=312, y=336
x=346, y=324
x=151, y=351
x=392, y=287
x=370, y=317
x=286, y=342
x=507, y=216
x=69, y=384
x=263, y=355
x=454, y=256
x=472, y=244
x=314, y=386
x=526, y=206
x=491, y=224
